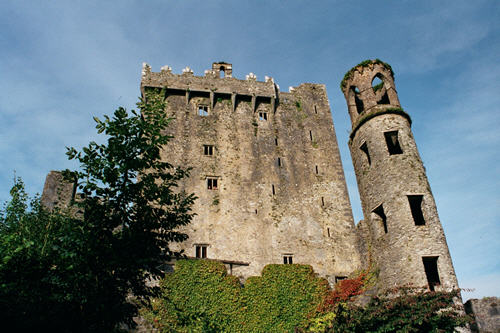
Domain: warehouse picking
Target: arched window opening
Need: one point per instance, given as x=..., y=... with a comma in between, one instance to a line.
x=222, y=71
x=377, y=83
x=379, y=89
x=360, y=107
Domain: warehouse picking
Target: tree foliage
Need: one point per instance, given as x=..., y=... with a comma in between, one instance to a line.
x=77, y=271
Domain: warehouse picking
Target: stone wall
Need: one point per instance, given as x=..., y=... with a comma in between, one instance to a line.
x=280, y=183
x=486, y=312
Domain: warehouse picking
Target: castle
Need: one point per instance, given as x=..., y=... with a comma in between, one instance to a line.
x=270, y=183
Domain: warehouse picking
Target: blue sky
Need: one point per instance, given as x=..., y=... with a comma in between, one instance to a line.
x=63, y=62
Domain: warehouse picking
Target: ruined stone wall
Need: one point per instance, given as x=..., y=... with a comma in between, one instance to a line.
x=294, y=151
x=390, y=176
x=486, y=312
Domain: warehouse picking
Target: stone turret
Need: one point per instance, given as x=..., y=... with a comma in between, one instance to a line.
x=401, y=231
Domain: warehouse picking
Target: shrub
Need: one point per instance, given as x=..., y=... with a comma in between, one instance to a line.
x=200, y=297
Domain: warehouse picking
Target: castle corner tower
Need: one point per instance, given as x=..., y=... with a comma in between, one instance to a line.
x=401, y=231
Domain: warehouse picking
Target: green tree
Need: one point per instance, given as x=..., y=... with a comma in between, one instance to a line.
x=128, y=212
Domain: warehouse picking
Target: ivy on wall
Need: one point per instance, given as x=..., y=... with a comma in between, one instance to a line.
x=200, y=297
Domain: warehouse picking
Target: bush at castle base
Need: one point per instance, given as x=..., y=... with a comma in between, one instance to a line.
x=200, y=297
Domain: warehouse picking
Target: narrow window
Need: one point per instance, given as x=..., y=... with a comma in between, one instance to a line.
x=256, y=211
x=287, y=259
x=263, y=116
x=208, y=150
x=315, y=110
x=212, y=183
x=364, y=148
x=311, y=135
x=222, y=72
x=322, y=201
x=340, y=278
x=276, y=141
x=201, y=251
x=391, y=138
x=328, y=231
x=279, y=161
x=317, y=171
x=380, y=212
x=360, y=107
x=431, y=271
x=416, y=209
x=202, y=110
x=273, y=190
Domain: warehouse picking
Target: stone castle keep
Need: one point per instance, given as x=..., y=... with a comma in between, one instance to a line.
x=267, y=171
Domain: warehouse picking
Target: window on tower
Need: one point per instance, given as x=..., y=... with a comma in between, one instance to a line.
x=208, y=150
x=416, y=209
x=263, y=116
x=379, y=211
x=288, y=259
x=202, y=110
x=212, y=183
x=431, y=271
x=364, y=148
x=201, y=250
x=391, y=138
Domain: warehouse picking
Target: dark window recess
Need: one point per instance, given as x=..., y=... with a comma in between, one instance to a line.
x=274, y=192
x=391, y=138
x=317, y=171
x=276, y=141
x=202, y=110
x=364, y=148
x=322, y=201
x=340, y=278
x=360, y=107
x=328, y=231
x=315, y=110
x=256, y=211
x=431, y=271
x=208, y=150
x=311, y=135
x=212, y=183
x=287, y=259
x=279, y=161
x=263, y=116
x=416, y=209
x=384, y=99
x=380, y=212
x=201, y=251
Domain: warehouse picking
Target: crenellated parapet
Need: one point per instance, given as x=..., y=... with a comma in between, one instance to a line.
x=216, y=83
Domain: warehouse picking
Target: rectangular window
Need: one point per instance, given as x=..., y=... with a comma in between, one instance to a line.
x=322, y=201
x=311, y=135
x=201, y=251
x=364, y=148
x=274, y=192
x=391, y=138
x=317, y=171
x=279, y=161
x=379, y=211
x=315, y=110
x=208, y=150
x=416, y=209
x=212, y=183
x=340, y=278
x=276, y=141
x=288, y=259
x=202, y=110
x=328, y=231
x=263, y=116
x=431, y=271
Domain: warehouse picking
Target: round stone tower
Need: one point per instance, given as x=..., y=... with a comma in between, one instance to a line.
x=401, y=231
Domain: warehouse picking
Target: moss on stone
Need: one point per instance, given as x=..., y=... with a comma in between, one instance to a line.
x=365, y=63
x=363, y=119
